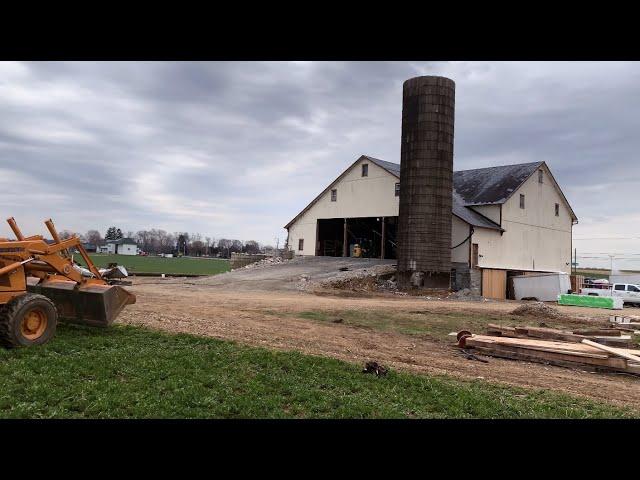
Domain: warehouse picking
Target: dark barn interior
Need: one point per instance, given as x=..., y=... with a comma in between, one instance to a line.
x=338, y=236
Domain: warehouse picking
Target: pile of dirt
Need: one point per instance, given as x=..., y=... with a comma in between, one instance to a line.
x=537, y=309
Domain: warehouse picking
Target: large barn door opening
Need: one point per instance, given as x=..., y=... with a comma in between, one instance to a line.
x=330, y=237
x=376, y=236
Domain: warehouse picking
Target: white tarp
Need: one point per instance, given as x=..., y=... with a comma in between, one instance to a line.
x=543, y=286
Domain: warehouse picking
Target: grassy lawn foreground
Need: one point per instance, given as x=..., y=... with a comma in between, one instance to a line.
x=132, y=372
x=175, y=266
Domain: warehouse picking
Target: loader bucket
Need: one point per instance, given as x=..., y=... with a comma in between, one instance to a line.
x=95, y=305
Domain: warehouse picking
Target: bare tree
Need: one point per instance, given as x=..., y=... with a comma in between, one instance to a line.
x=251, y=246
x=94, y=237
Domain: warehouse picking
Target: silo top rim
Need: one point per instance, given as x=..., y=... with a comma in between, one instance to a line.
x=432, y=80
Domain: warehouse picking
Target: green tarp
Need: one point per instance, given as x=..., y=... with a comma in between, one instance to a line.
x=590, y=301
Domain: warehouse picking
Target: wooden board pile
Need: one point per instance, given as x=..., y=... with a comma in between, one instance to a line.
x=578, y=349
x=615, y=337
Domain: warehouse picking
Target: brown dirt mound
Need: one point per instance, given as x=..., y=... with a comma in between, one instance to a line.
x=537, y=309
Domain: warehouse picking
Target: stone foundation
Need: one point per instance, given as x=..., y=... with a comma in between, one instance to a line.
x=464, y=277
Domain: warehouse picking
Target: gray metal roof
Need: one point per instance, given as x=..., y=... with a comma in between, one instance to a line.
x=393, y=168
x=492, y=185
x=471, y=216
x=480, y=186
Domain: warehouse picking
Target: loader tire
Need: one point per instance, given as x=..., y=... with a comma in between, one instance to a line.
x=29, y=319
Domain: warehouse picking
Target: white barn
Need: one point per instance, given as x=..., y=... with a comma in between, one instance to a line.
x=122, y=246
x=506, y=220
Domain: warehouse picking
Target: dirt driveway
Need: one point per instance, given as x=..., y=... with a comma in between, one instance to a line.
x=234, y=310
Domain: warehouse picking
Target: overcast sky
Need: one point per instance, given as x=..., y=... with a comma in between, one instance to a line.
x=238, y=149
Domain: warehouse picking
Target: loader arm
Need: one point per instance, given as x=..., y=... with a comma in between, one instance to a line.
x=31, y=264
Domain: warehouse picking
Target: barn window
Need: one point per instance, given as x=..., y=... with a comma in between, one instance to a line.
x=522, y=201
x=540, y=176
x=397, y=189
x=557, y=209
x=365, y=169
x=334, y=195
x=301, y=244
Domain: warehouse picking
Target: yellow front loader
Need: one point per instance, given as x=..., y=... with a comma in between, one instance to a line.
x=41, y=284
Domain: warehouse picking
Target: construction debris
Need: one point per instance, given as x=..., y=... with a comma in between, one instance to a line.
x=114, y=271
x=627, y=321
x=265, y=262
x=372, y=279
x=375, y=367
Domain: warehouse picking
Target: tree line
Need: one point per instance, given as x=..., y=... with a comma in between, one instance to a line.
x=158, y=241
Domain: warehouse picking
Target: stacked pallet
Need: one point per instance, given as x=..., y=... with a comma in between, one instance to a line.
x=555, y=347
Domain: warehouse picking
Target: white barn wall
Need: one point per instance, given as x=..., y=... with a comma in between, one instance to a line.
x=358, y=196
x=534, y=238
x=127, y=249
x=492, y=212
x=459, y=232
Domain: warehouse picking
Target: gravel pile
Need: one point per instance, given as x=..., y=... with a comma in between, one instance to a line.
x=537, y=309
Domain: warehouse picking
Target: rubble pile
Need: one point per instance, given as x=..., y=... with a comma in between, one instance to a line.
x=465, y=294
x=266, y=262
x=380, y=278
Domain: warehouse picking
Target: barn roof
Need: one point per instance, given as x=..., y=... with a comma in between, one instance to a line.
x=123, y=241
x=479, y=186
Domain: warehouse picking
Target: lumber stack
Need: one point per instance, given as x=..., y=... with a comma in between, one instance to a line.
x=561, y=353
x=606, y=336
x=597, y=349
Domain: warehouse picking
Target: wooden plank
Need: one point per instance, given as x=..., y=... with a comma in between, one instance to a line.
x=561, y=359
x=493, y=329
x=542, y=345
x=615, y=351
x=620, y=342
x=494, y=283
x=472, y=342
x=550, y=333
x=548, y=344
x=602, y=332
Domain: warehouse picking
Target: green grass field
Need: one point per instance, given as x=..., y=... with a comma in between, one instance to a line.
x=181, y=266
x=133, y=372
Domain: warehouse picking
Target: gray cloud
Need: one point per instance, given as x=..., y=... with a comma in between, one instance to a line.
x=238, y=148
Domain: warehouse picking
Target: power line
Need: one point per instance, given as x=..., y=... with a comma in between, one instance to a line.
x=608, y=238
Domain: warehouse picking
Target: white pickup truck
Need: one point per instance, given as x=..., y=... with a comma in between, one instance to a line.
x=628, y=292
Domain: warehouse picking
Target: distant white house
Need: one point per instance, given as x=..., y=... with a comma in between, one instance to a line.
x=122, y=246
